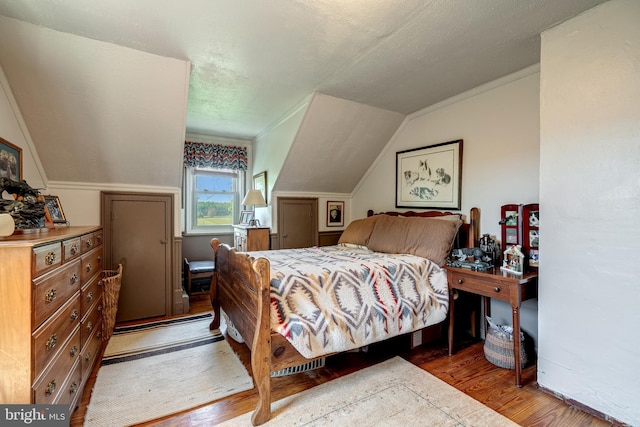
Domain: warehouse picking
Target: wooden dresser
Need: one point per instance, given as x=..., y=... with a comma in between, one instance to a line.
x=50, y=314
x=247, y=239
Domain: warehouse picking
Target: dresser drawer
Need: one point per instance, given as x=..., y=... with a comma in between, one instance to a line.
x=49, y=385
x=90, y=241
x=53, y=290
x=70, y=390
x=90, y=293
x=91, y=263
x=91, y=351
x=53, y=334
x=91, y=322
x=71, y=248
x=46, y=258
x=479, y=286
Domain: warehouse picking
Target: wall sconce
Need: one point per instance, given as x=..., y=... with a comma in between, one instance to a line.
x=254, y=198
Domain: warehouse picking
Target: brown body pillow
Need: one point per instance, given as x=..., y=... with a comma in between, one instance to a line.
x=426, y=237
x=359, y=231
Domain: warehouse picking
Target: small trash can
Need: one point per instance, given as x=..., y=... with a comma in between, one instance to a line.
x=498, y=346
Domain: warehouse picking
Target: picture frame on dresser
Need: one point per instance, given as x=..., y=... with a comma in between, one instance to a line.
x=53, y=210
x=10, y=160
x=246, y=217
x=430, y=177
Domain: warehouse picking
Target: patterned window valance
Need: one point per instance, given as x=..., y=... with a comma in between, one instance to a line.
x=202, y=155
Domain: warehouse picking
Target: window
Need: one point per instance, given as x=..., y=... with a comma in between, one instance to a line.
x=212, y=199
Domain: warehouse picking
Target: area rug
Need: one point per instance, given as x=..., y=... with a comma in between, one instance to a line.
x=156, y=369
x=392, y=393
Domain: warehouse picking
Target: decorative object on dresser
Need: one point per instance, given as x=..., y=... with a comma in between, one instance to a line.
x=530, y=233
x=27, y=207
x=511, y=224
x=246, y=217
x=53, y=211
x=513, y=260
x=335, y=214
x=50, y=314
x=430, y=177
x=246, y=238
x=244, y=284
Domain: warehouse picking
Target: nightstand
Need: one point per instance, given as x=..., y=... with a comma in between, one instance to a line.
x=496, y=284
x=247, y=238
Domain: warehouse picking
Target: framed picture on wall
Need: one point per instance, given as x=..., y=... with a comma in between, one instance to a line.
x=260, y=183
x=430, y=177
x=335, y=214
x=10, y=160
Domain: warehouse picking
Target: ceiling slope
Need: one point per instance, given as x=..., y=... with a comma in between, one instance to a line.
x=337, y=142
x=97, y=112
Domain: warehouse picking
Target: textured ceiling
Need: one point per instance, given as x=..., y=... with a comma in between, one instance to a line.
x=252, y=61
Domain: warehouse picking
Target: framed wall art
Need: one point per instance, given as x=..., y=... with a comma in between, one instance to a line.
x=430, y=177
x=10, y=160
x=335, y=214
x=260, y=183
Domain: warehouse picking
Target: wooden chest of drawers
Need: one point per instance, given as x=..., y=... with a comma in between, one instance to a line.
x=50, y=314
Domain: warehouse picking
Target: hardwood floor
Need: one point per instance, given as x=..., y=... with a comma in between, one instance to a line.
x=467, y=370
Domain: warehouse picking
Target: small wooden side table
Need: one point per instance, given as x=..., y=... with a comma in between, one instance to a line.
x=496, y=284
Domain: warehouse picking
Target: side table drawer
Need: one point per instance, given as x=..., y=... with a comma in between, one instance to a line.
x=491, y=289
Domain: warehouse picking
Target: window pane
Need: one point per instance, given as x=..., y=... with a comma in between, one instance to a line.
x=214, y=209
x=217, y=183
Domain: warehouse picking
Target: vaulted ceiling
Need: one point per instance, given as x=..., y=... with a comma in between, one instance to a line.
x=240, y=65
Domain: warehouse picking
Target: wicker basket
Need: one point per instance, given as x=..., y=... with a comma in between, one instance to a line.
x=111, y=281
x=498, y=348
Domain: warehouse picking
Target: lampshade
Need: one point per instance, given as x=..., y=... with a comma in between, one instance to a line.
x=254, y=198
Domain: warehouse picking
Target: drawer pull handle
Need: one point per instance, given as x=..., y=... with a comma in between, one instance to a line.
x=50, y=296
x=74, y=315
x=51, y=342
x=89, y=326
x=89, y=243
x=99, y=259
x=460, y=281
x=74, y=279
x=87, y=356
x=89, y=296
x=74, y=249
x=51, y=387
x=100, y=308
x=73, y=388
x=99, y=239
x=50, y=258
x=74, y=351
x=89, y=267
x=496, y=289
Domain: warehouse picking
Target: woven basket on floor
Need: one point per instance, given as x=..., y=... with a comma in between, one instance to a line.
x=498, y=349
x=111, y=282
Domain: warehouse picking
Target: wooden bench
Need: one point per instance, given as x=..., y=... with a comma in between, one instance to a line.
x=197, y=270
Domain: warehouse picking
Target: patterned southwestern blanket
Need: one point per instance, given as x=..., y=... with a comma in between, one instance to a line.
x=335, y=298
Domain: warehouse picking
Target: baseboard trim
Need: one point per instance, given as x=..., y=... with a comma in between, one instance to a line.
x=584, y=408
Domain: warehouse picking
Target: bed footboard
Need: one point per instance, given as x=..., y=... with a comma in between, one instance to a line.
x=241, y=288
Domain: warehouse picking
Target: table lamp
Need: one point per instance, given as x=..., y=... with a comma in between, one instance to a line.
x=254, y=198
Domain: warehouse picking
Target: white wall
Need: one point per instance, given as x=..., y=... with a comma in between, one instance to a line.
x=499, y=124
x=590, y=192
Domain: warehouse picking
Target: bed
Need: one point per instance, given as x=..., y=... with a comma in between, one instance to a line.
x=382, y=279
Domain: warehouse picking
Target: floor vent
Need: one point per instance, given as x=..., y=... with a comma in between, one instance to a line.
x=309, y=366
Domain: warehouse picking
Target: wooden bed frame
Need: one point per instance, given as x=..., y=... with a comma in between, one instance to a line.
x=241, y=287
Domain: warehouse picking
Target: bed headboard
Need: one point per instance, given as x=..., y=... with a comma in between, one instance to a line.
x=468, y=234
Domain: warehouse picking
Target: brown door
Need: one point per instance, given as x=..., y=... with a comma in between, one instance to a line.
x=138, y=232
x=297, y=222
